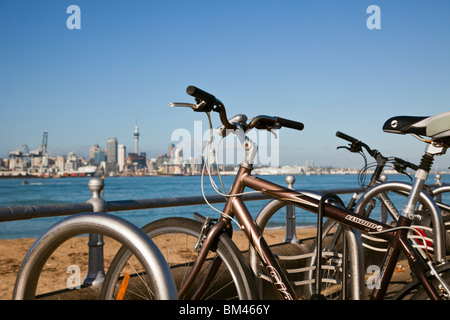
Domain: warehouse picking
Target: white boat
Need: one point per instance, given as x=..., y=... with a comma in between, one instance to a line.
x=87, y=170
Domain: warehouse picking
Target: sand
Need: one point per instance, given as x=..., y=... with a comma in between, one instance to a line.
x=74, y=253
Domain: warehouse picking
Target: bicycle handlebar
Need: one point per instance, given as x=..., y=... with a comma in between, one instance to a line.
x=346, y=137
x=207, y=102
x=290, y=123
x=403, y=164
x=356, y=144
x=268, y=123
x=399, y=164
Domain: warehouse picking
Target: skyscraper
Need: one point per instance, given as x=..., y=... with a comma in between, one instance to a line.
x=111, y=146
x=93, y=150
x=121, y=152
x=99, y=156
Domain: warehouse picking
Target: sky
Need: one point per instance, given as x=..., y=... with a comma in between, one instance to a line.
x=313, y=61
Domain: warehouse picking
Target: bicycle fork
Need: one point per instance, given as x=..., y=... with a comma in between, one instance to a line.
x=279, y=280
x=212, y=236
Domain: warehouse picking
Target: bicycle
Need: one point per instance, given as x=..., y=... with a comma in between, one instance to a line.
x=212, y=237
x=331, y=242
x=150, y=267
x=387, y=207
x=379, y=204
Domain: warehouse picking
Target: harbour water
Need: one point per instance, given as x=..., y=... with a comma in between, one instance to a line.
x=13, y=192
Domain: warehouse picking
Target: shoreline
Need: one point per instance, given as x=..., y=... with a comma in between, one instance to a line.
x=24, y=177
x=167, y=175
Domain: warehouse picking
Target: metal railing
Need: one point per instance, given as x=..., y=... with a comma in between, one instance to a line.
x=41, y=211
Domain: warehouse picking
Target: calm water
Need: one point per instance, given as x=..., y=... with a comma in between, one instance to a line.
x=75, y=190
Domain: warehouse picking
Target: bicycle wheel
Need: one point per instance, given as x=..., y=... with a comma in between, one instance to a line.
x=442, y=197
x=176, y=237
x=384, y=203
x=156, y=271
x=415, y=291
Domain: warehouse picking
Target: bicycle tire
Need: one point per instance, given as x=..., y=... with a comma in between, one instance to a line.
x=426, y=209
x=439, y=192
x=156, y=269
x=415, y=291
x=238, y=281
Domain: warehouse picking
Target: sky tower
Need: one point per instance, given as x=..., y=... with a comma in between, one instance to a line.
x=136, y=139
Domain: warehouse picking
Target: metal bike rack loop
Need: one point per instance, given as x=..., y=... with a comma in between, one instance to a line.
x=117, y=228
x=436, y=218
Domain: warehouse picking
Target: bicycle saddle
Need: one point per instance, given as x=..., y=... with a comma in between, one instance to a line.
x=436, y=127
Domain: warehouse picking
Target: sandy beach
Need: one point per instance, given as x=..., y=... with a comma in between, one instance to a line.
x=74, y=252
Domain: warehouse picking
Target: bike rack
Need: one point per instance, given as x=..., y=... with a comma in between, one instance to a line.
x=438, y=225
x=352, y=236
x=112, y=226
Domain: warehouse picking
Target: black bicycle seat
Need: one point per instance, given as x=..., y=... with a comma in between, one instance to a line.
x=436, y=127
x=404, y=125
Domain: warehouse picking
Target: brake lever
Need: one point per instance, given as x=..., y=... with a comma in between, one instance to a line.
x=352, y=148
x=343, y=147
x=402, y=170
x=200, y=106
x=183, y=104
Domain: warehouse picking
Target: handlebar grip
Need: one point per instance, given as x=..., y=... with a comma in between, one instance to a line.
x=290, y=123
x=346, y=137
x=200, y=94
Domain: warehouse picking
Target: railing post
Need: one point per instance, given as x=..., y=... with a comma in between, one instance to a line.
x=96, y=272
x=291, y=235
x=438, y=178
x=384, y=213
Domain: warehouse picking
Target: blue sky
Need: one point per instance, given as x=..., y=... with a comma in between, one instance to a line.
x=311, y=61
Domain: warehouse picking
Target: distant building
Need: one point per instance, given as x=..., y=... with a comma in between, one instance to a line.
x=60, y=163
x=111, y=150
x=99, y=157
x=95, y=148
x=137, y=161
x=162, y=159
x=71, y=162
x=121, y=157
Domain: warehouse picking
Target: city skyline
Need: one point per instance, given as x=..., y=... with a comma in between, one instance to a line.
x=333, y=65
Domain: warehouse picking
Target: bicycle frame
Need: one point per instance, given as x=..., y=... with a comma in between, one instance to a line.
x=235, y=207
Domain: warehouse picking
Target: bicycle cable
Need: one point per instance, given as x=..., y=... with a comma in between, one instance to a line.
x=411, y=228
x=207, y=165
